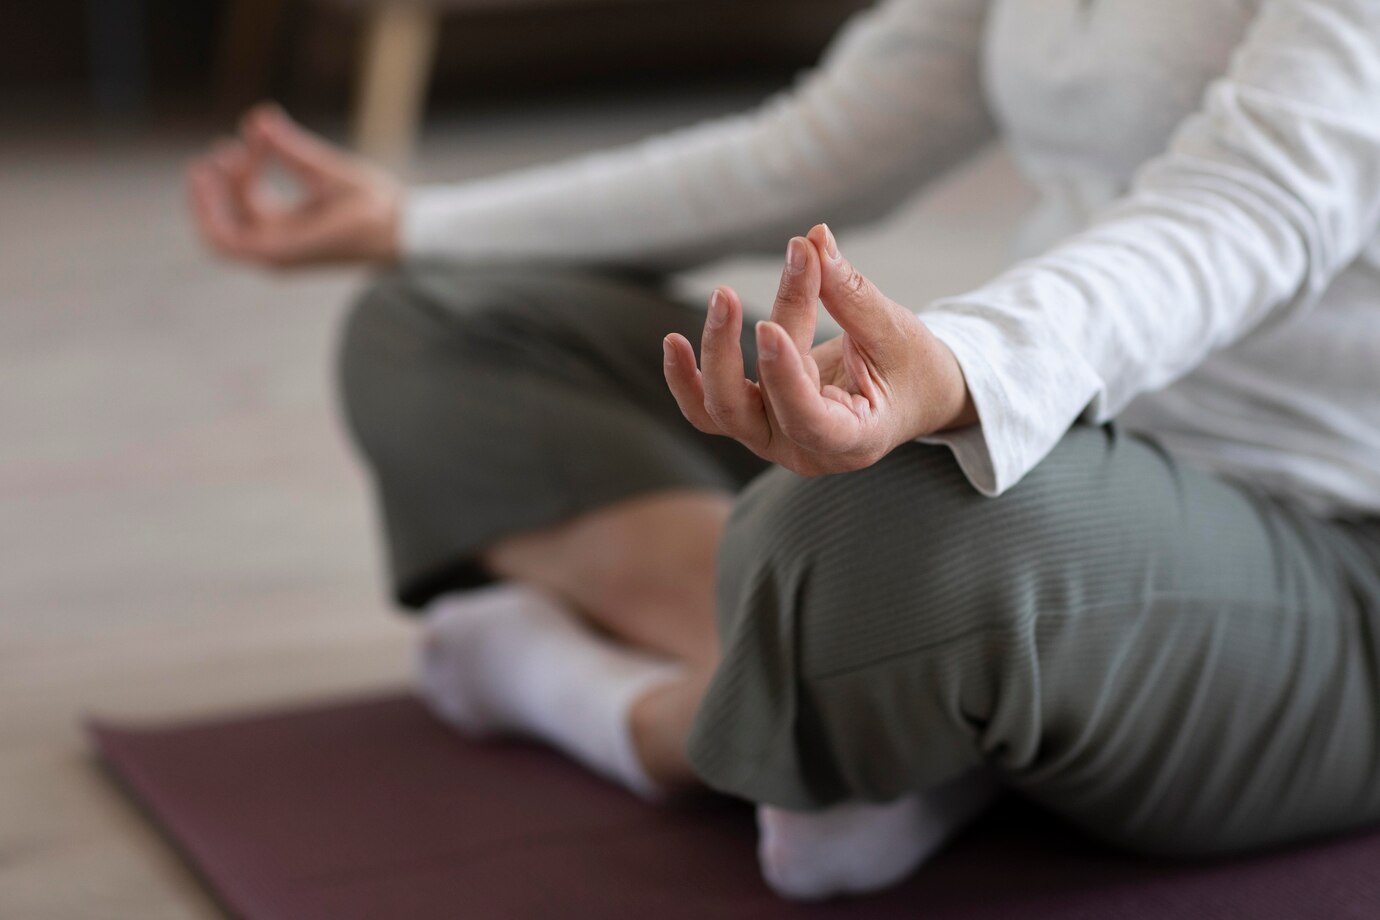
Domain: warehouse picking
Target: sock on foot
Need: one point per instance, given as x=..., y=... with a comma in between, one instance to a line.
x=510, y=659
x=859, y=847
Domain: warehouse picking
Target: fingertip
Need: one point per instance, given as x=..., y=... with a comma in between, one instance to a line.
x=825, y=244
x=725, y=314
x=831, y=246
x=718, y=310
x=273, y=129
x=678, y=363
x=266, y=114
x=686, y=385
x=225, y=154
x=771, y=338
x=683, y=346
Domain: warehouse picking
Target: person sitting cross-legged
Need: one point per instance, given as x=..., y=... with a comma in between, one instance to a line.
x=1104, y=531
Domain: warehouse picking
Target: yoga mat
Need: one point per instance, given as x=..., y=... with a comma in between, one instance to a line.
x=372, y=809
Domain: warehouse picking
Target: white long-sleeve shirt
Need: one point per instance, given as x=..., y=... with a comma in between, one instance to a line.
x=1204, y=262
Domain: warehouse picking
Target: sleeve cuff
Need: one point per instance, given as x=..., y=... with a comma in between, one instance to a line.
x=969, y=445
x=425, y=216
x=1017, y=425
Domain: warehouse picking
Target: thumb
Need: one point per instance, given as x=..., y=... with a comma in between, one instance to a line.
x=868, y=316
x=268, y=129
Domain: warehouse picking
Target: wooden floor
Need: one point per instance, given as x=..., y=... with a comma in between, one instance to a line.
x=182, y=527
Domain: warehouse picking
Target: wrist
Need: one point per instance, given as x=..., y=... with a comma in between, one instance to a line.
x=940, y=395
x=957, y=409
x=964, y=413
x=385, y=244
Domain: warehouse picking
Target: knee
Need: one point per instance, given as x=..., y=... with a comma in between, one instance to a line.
x=906, y=550
x=387, y=370
x=821, y=583
x=420, y=327
x=402, y=312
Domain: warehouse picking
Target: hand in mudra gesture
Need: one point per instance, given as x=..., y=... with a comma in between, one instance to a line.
x=346, y=209
x=829, y=409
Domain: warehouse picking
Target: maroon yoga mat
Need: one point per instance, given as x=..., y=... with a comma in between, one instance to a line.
x=371, y=809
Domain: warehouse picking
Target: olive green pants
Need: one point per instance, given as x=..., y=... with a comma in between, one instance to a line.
x=1167, y=659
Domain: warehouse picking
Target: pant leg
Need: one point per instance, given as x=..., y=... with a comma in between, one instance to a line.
x=494, y=401
x=1167, y=660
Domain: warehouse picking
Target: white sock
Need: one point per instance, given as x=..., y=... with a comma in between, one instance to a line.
x=856, y=847
x=510, y=659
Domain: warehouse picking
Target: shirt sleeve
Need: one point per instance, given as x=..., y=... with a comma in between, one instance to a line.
x=896, y=100
x=1266, y=193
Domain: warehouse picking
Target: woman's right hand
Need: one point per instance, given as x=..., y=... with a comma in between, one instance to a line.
x=347, y=209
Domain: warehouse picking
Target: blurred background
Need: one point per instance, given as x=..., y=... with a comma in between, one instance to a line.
x=182, y=527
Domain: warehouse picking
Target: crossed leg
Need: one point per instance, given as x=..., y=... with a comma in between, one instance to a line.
x=1166, y=660
x=588, y=487
x=643, y=572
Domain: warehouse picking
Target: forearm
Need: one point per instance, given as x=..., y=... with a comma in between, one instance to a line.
x=1264, y=195
x=897, y=100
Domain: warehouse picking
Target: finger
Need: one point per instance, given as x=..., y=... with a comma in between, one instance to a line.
x=303, y=240
x=797, y=298
x=731, y=400
x=211, y=208
x=840, y=395
x=685, y=381
x=802, y=413
x=197, y=203
x=270, y=129
x=865, y=313
x=217, y=218
x=240, y=169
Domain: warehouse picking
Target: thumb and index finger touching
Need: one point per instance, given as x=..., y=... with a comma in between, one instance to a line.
x=868, y=316
x=817, y=272
x=270, y=132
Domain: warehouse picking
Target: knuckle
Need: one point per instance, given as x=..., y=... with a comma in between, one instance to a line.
x=720, y=411
x=855, y=285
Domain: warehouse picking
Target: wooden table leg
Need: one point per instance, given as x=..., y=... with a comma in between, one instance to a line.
x=399, y=43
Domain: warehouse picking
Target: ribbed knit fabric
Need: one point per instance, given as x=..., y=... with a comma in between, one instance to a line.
x=495, y=401
x=1171, y=662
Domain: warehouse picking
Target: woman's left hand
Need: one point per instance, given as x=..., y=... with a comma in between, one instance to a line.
x=839, y=407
